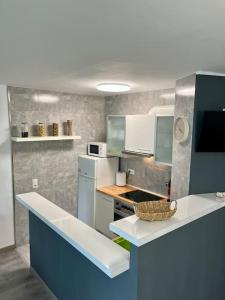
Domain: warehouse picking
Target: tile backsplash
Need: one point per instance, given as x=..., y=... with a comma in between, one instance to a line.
x=148, y=175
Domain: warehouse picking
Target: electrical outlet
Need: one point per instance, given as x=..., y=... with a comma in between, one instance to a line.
x=131, y=171
x=35, y=183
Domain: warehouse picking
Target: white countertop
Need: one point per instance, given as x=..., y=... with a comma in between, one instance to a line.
x=189, y=208
x=104, y=253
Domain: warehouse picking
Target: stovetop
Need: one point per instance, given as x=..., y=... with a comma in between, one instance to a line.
x=140, y=196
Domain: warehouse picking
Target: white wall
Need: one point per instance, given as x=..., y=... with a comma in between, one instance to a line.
x=6, y=193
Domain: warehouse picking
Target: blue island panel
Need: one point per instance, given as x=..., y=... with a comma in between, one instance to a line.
x=185, y=264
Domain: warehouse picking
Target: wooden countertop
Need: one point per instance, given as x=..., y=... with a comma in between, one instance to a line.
x=114, y=191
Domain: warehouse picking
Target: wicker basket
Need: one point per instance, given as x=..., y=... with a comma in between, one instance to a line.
x=155, y=210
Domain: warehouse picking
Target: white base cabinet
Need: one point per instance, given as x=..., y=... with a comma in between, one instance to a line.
x=86, y=200
x=104, y=214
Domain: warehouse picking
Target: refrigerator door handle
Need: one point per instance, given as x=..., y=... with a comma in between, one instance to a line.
x=86, y=176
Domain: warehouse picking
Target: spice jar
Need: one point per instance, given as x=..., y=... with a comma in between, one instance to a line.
x=24, y=130
x=69, y=127
x=55, y=129
x=41, y=129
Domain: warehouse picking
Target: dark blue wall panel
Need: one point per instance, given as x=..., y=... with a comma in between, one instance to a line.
x=207, y=174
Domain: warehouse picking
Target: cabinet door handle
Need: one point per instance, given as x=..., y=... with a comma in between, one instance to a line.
x=108, y=199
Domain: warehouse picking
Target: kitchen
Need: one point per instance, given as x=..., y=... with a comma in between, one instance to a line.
x=101, y=129
x=55, y=163
x=125, y=137
x=107, y=208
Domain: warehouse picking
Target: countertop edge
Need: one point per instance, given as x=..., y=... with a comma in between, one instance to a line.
x=112, y=272
x=142, y=241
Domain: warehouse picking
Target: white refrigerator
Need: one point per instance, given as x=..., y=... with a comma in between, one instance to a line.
x=93, y=172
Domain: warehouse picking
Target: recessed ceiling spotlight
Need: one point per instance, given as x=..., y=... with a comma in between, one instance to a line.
x=113, y=87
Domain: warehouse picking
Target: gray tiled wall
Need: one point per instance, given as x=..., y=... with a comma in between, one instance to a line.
x=53, y=163
x=148, y=174
x=184, y=107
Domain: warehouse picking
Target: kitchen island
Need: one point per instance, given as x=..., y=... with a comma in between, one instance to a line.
x=181, y=258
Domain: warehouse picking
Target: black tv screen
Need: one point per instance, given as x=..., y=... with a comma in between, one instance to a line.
x=211, y=132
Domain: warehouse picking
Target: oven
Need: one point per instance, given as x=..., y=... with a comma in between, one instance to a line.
x=122, y=210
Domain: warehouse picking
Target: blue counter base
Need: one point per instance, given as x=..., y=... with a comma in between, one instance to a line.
x=69, y=274
x=186, y=264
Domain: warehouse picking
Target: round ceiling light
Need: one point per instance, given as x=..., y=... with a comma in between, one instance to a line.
x=113, y=87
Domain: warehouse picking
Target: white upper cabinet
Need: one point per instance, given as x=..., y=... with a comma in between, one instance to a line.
x=131, y=133
x=140, y=134
x=164, y=139
x=116, y=135
x=150, y=134
x=164, y=116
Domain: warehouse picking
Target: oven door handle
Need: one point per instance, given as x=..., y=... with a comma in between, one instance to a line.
x=121, y=213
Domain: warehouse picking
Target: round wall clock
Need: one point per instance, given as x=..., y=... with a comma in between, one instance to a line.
x=181, y=129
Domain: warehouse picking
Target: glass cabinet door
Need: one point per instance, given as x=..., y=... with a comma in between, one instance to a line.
x=164, y=139
x=115, y=135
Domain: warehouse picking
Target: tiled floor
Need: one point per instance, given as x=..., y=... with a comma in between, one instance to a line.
x=17, y=281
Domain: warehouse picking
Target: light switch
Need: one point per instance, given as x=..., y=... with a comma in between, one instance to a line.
x=131, y=171
x=35, y=183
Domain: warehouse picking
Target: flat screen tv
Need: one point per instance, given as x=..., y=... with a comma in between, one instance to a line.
x=211, y=132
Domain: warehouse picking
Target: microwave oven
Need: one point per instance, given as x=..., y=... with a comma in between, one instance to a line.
x=97, y=149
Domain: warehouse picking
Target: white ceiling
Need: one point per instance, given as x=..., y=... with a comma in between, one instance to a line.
x=74, y=45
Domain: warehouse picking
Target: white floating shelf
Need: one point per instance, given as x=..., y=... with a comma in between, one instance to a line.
x=45, y=138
